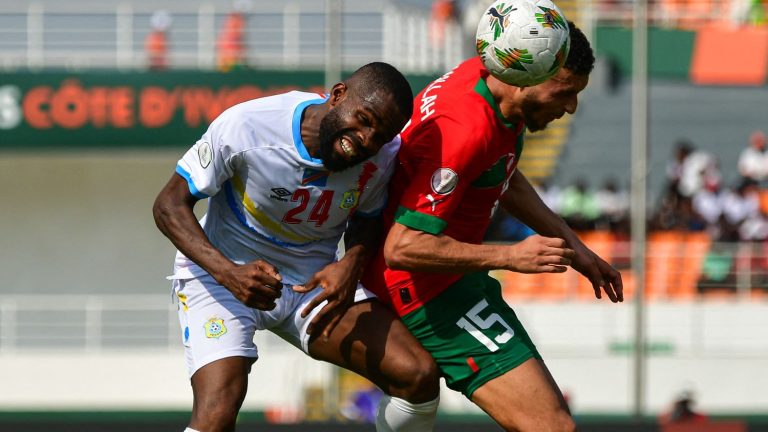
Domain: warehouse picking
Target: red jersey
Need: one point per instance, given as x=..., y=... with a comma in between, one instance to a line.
x=455, y=161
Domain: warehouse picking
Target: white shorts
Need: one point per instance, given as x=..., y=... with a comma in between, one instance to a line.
x=216, y=325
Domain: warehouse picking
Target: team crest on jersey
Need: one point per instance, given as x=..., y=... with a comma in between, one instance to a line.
x=444, y=181
x=215, y=328
x=349, y=200
x=205, y=154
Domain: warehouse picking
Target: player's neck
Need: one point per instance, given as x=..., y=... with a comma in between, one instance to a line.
x=310, y=128
x=505, y=97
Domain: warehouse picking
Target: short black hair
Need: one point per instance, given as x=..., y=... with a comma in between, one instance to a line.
x=581, y=59
x=379, y=75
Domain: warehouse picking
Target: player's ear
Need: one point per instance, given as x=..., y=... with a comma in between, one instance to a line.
x=338, y=93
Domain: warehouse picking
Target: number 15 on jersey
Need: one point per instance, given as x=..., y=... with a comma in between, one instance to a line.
x=480, y=328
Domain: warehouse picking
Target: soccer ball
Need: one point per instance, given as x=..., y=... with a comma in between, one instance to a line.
x=523, y=42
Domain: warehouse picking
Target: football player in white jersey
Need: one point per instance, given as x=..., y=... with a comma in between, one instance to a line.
x=285, y=177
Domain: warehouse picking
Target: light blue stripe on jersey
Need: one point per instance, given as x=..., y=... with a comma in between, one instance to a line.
x=192, y=188
x=230, y=193
x=298, y=142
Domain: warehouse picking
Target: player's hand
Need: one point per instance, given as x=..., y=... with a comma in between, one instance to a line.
x=537, y=254
x=338, y=290
x=257, y=284
x=602, y=276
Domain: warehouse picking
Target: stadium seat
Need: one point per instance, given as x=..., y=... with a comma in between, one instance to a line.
x=514, y=286
x=539, y=287
x=663, y=262
x=764, y=201
x=695, y=248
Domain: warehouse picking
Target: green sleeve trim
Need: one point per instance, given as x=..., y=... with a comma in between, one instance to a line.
x=420, y=221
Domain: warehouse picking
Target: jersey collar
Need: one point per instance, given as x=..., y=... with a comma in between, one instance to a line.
x=482, y=89
x=297, y=141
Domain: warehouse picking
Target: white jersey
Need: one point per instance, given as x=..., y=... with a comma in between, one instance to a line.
x=268, y=198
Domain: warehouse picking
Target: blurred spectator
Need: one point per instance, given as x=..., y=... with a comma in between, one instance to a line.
x=740, y=205
x=613, y=206
x=676, y=212
x=708, y=204
x=471, y=14
x=156, y=42
x=755, y=229
x=550, y=194
x=682, y=411
x=689, y=173
x=698, y=168
x=674, y=170
x=747, y=12
x=230, y=44
x=444, y=12
x=753, y=160
x=666, y=216
x=578, y=206
x=685, y=176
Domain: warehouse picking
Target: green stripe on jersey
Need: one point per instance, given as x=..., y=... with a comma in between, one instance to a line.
x=519, y=146
x=493, y=176
x=420, y=221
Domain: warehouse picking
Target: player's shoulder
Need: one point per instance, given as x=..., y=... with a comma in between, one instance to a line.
x=388, y=151
x=460, y=118
x=262, y=108
x=394, y=145
x=462, y=101
x=263, y=120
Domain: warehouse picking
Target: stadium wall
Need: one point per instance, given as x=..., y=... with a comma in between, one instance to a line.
x=109, y=109
x=717, y=350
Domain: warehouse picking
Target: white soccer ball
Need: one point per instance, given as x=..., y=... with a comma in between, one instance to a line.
x=523, y=42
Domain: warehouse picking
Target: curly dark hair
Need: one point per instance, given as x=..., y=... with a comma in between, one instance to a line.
x=581, y=59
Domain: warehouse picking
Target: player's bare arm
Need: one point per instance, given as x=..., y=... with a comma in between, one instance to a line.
x=410, y=249
x=522, y=201
x=257, y=284
x=339, y=279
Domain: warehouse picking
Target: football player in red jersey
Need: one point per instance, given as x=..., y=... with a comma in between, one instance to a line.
x=456, y=165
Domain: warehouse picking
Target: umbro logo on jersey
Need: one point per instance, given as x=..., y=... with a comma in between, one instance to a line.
x=280, y=194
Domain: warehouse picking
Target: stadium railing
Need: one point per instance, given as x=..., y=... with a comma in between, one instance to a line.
x=282, y=35
x=279, y=35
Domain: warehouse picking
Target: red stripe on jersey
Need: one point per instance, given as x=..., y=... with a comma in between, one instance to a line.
x=314, y=178
x=368, y=169
x=472, y=364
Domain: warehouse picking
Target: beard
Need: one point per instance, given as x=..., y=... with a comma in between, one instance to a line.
x=529, y=108
x=330, y=131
